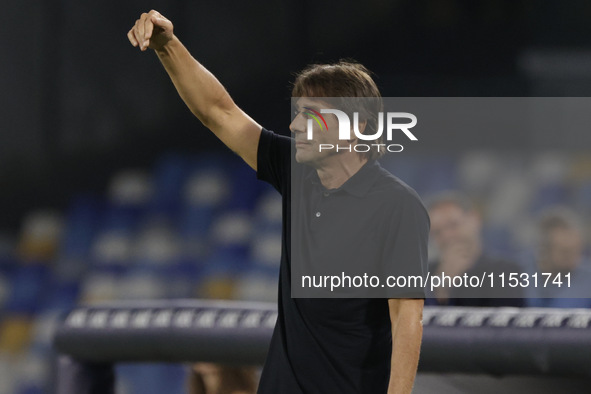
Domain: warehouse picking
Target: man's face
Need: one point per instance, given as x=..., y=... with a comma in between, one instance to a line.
x=451, y=226
x=308, y=151
x=563, y=250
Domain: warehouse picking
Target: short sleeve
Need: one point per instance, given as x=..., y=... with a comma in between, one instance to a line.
x=405, y=249
x=273, y=160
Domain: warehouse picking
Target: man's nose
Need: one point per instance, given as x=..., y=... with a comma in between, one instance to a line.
x=298, y=124
x=444, y=237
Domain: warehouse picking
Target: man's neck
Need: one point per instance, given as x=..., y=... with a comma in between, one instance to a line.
x=333, y=175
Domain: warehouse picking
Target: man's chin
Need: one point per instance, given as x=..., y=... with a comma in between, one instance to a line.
x=301, y=158
x=310, y=158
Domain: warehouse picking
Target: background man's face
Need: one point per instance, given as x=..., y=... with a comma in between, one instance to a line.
x=563, y=249
x=451, y=226
x=308, y=151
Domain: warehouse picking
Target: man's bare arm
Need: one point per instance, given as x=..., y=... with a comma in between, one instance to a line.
x=407, y=332
x=200, y=90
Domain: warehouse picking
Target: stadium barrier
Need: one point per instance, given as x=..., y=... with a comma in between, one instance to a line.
x=491, y=341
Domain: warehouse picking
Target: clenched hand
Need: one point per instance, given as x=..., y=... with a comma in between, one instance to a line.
x=152, y=30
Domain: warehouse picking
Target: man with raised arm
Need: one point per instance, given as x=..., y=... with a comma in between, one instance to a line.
x=319, y=345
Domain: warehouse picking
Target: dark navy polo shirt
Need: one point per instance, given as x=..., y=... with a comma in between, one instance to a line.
x=335, y=345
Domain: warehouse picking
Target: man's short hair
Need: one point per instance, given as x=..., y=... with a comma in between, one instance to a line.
x=553, y=219
x=343, y=81
x=454, y=197
x=559, y=217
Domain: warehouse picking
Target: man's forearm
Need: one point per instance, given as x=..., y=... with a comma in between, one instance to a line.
x=406, y=346
x=200, y=90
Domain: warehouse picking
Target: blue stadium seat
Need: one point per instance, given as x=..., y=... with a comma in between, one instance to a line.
x=81, y=224
x=230, y=237
x=258, y=283
x=551, y=194
x=152, y=378
x=245, y=185
x=156, y=242
x=101, y=285
x=170, y=174
x=61, y=296
x=405, y=167
x=30, y=388
x=437, y=173
x=113, y=242
x=29, y=285
x=143, y=282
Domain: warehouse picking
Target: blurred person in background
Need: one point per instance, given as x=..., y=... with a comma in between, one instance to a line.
x=210, y=378
x=560, y=251
x=319, y=345
x=456, y=234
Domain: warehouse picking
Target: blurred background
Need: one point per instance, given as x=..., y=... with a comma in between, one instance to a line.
x=112, y=190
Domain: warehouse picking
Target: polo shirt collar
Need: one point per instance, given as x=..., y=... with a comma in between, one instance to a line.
x=358, y=185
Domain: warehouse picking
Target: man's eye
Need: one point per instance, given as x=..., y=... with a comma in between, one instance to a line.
x=304, y=113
